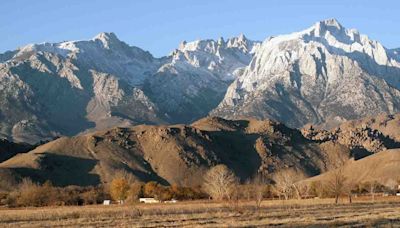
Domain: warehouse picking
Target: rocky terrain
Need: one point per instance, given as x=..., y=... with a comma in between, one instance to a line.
x=363, y=136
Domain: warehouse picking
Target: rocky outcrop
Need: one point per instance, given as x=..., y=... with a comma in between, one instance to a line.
x=371, y=134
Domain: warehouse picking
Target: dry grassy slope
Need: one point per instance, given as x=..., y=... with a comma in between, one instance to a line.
x=381, y=167
x=176, y=154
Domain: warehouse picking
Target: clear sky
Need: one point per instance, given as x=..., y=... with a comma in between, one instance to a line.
x=160, y=25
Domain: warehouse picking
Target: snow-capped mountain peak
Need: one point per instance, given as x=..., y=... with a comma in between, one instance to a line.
x=244, y=44
x=298, y=78
x=107, y=39
x=330, y=23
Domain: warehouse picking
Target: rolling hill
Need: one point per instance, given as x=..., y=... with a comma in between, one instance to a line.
x=382, y=167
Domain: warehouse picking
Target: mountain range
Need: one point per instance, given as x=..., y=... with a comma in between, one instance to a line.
x=324, y=75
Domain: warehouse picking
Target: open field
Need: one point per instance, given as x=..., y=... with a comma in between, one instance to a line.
x=320, y=212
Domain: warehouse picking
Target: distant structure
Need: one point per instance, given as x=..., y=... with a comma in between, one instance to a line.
x=148, y=200
x=106, y=202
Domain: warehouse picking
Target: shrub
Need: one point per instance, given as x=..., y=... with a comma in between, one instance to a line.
x=33, y=194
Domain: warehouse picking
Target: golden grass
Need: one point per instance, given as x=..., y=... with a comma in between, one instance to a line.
x=311, y=212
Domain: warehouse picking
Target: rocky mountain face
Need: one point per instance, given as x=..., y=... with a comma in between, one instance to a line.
x=53, y=89
x=194, y=78
x=323, y=75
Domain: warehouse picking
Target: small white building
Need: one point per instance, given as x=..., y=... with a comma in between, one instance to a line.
x=148, y=200
x=106, y=202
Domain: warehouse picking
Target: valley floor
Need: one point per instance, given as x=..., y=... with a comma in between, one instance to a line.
x=293, y=213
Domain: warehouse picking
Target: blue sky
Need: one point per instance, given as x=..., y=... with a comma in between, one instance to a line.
x=160, y=25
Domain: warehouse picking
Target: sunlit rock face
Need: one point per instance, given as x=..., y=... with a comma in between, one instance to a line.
x=325, y=74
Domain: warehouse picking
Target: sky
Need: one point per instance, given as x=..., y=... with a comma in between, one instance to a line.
x=160, y=25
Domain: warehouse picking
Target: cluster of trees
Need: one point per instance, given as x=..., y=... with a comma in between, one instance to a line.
x=29, y=193
x=220, y=184
x=124, y=188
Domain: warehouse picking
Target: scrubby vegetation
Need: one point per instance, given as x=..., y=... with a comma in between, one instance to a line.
x=28, y=193
x=220, y=184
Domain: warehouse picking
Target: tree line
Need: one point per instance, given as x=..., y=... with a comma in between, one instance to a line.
x=219, y=184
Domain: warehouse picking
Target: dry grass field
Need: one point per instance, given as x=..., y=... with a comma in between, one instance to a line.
x=384, y=212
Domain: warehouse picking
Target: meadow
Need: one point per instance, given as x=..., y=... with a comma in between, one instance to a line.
x=383, y=212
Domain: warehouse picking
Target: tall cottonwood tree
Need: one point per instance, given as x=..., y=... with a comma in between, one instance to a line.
x=120, y=186
x=220, y=182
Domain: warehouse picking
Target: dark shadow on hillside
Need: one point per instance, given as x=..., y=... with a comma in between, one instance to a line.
x=236, y=150
x=63, y=171
x=146, y=176
x=358, y=153
x=389, y=142
x=10, y=149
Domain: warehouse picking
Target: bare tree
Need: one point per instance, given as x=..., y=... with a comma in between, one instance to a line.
x=391, y=185
x=247, y=190
x=286, y=182
x=348, y=189
x=258, y=187
x=303, y=190
x=336, y=184
x=372, y=187
x=220, y=182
